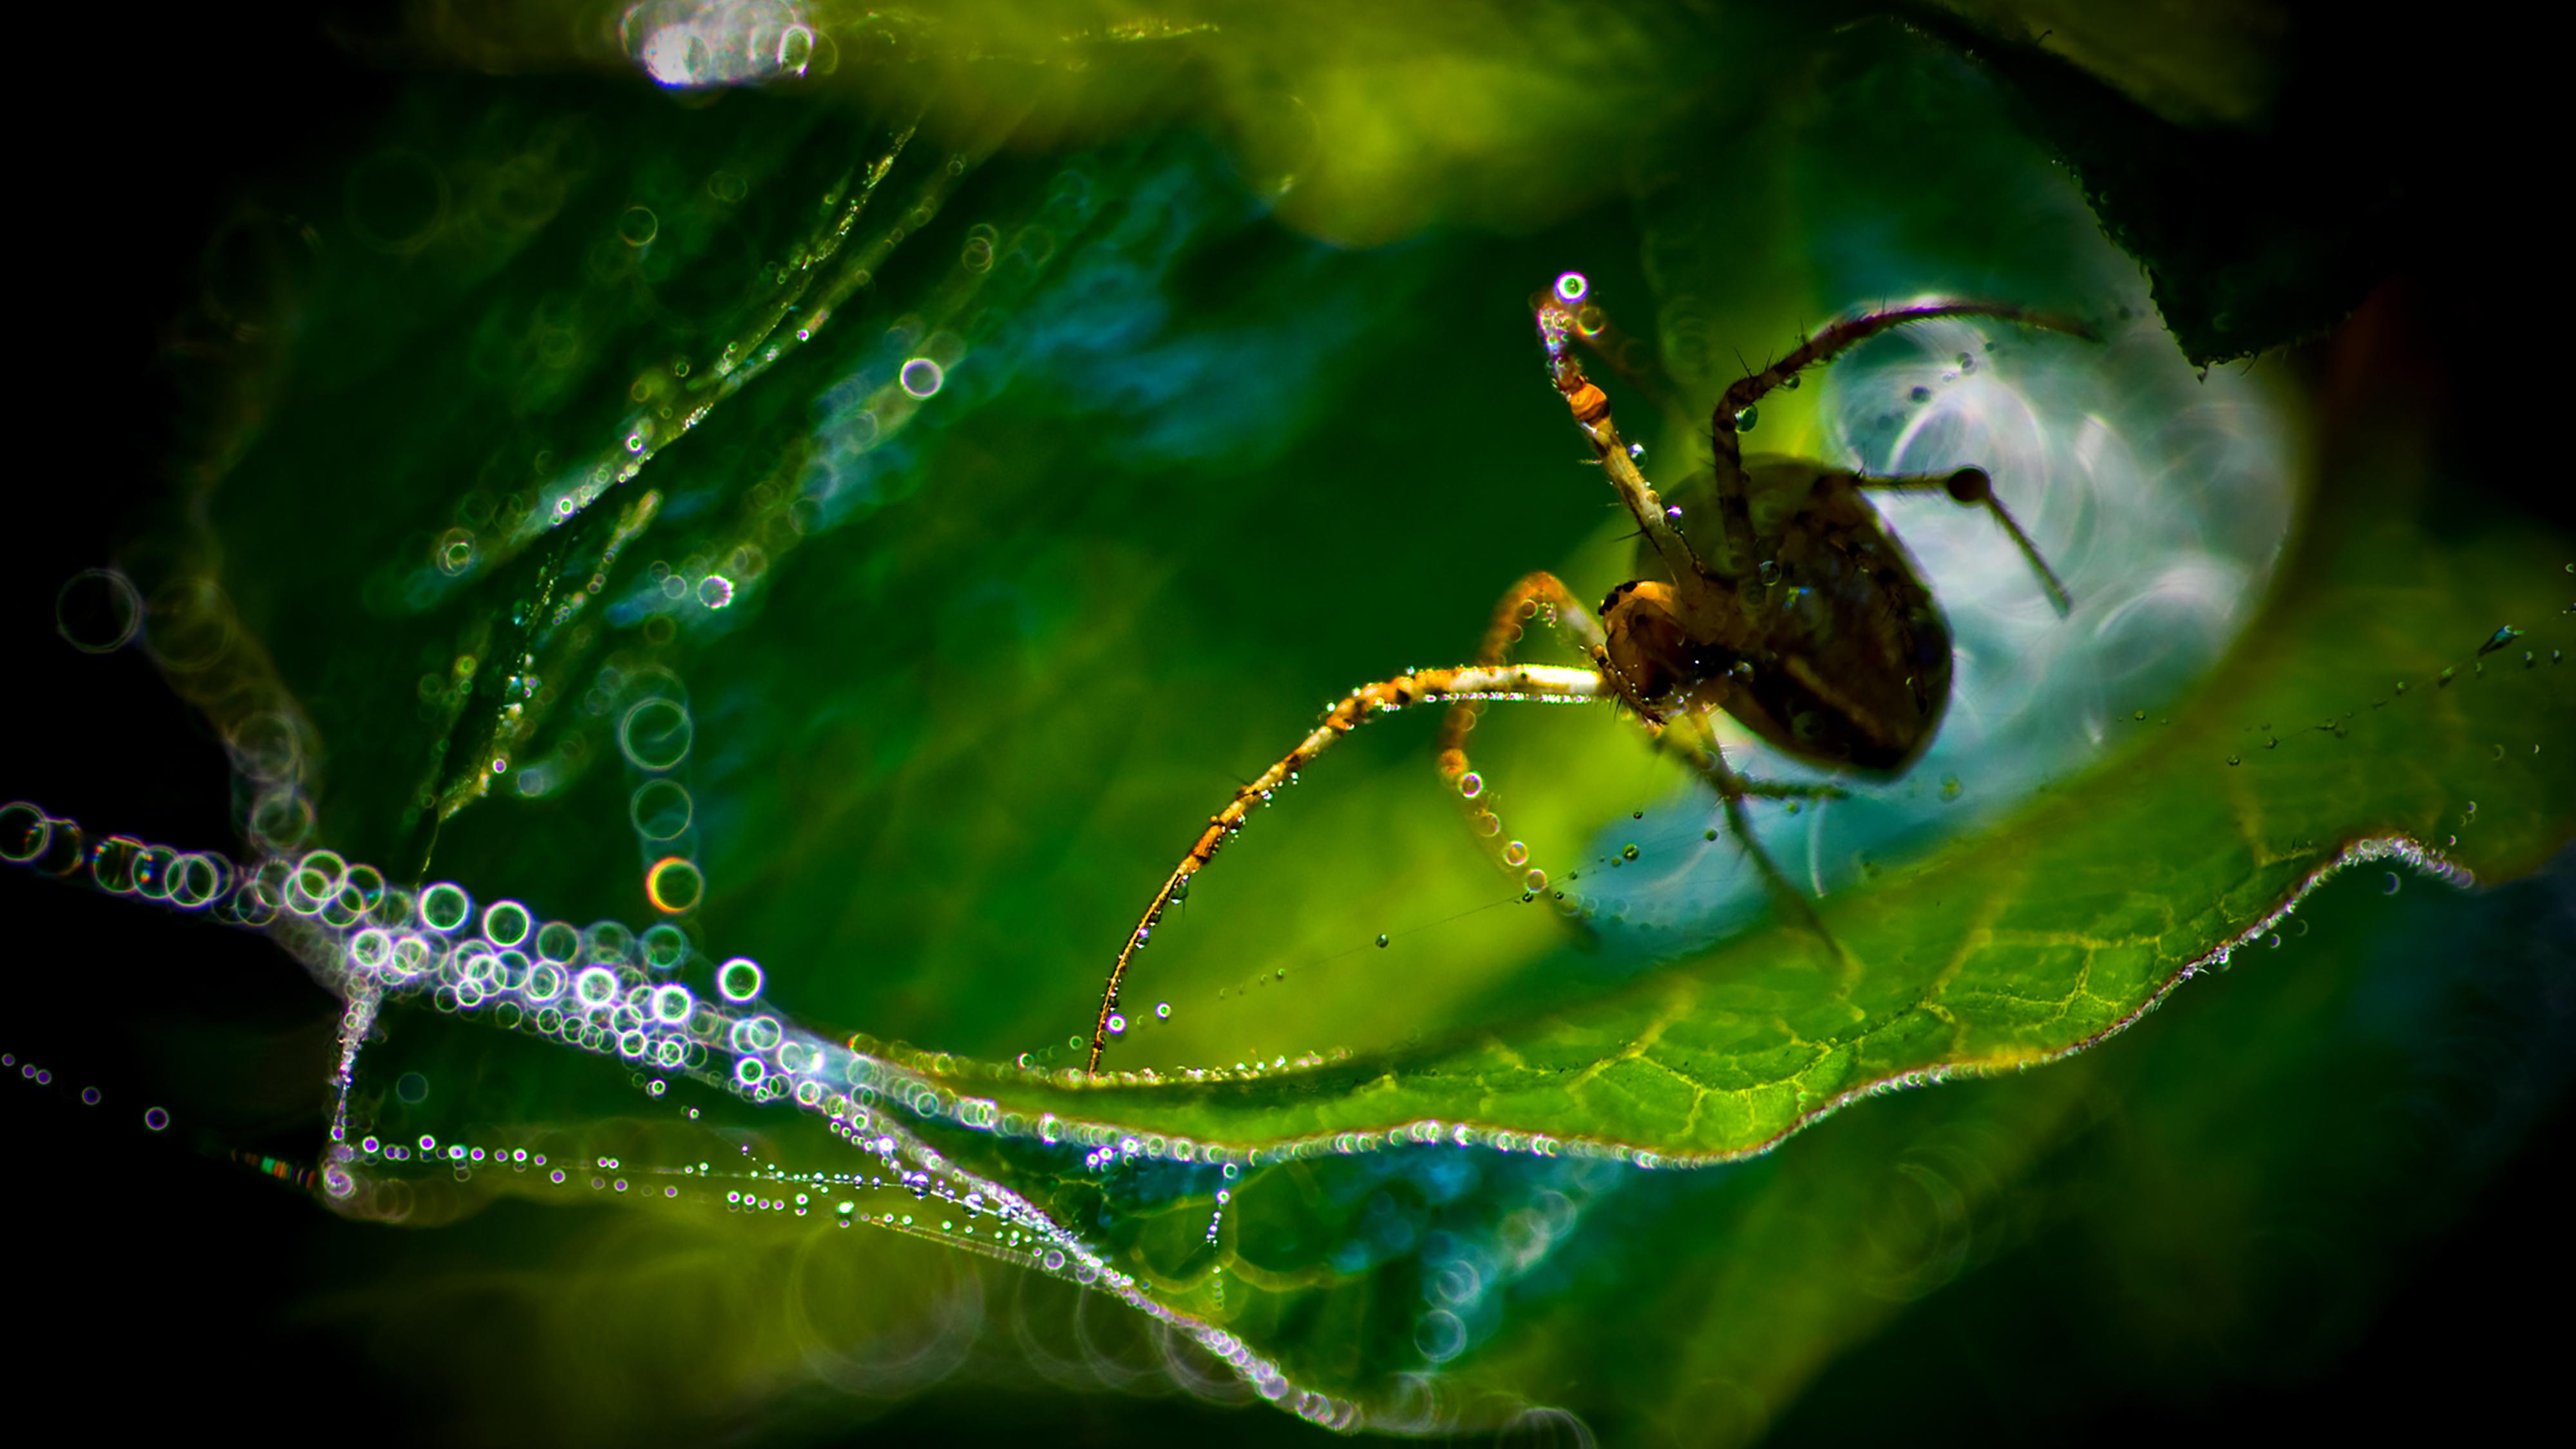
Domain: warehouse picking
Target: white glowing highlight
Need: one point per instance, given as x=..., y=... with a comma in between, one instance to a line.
x=697, y=44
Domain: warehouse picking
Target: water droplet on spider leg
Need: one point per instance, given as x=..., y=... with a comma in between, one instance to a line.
x=1745, y=420
x=1637, y=452
x=1571, y=287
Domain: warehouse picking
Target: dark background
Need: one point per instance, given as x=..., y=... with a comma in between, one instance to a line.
x=165, y=1283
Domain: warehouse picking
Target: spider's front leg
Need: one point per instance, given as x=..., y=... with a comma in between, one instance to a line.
x=1539, y=596
x=1730, y=418
x=1422, y=686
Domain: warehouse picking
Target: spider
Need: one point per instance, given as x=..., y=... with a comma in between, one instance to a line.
x=1801, y=616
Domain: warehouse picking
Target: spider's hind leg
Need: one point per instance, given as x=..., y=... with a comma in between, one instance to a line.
x=1698, y=749
x=1970, y=488
x=1734, y=510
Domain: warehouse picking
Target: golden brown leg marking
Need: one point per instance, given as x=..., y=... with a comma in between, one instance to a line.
x=1538, y=597
x=1425, y=686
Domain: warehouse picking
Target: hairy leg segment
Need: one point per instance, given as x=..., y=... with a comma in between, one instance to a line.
x=1538, y=597
x=1424, y=686
x=1970, y=487
x=1734, y=510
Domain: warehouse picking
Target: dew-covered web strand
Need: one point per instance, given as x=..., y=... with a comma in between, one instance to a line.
x=374, y=945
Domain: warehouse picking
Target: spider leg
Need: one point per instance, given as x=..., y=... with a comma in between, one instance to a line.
x=1734, y=511
x=1971, y=487
x=1698, y=748
x=1540, y=595
x=1559, y=323
x=1421, y=686
x=1635, y=363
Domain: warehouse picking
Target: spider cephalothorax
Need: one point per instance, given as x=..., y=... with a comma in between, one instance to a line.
x=1797, y=613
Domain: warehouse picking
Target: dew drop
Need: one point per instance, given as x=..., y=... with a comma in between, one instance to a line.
x=922, y=377
x=1628, y=852
x=1381, y=940
x=1162, y=1011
